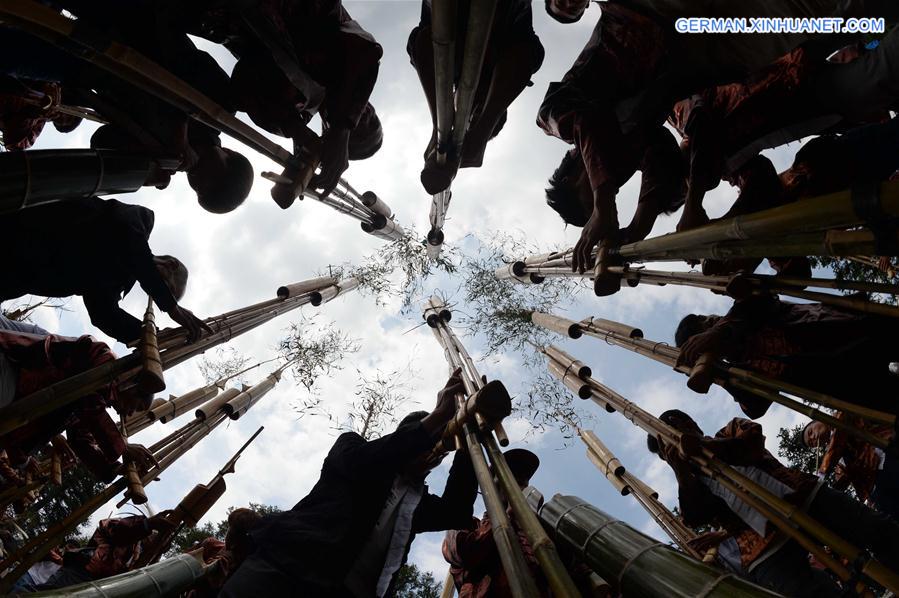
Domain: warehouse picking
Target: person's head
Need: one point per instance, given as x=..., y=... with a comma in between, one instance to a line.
x=692, y=325
x=240, y=523
x=66, y=123
x=523, y=464
x=815, y=434
x=678, y=420
x=569, y=192
x=368, y=136
x=566, y=11
x=421, y=465
x=174, y=273
x=819, y=167
x=221, y=177
x=132, y=400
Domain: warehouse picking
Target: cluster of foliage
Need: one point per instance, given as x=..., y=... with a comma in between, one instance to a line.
x=500, y=310
x=55, y=503
x=409, y=256
x=850, y=270
x=314, y=350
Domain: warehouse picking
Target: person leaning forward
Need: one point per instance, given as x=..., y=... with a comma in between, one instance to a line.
x=96, y=248
x=350, y=535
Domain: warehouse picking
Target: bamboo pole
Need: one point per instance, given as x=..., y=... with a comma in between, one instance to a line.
x=239, y=405
x=480, y=22
x=729, y=376
x=135, y=486
x=449, y=586
x=174, y=452
x=150, y=377
x=169, y=578
x=737, y=286
x=832, y=211
x=782, y=514
x=173, y=351
x=443, y=38
x=134, y=68
x=636, y=564
x=544, y=550
x=622, y=479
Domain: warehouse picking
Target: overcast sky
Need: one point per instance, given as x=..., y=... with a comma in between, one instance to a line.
x=242, y=257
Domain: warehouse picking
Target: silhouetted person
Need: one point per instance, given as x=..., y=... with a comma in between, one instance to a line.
x=335, y=57
x=96, y=248
x=33, y=362
x=869, y=470
x=841, y=353
x=350, y=535
x=513, y=54
x=767, y=555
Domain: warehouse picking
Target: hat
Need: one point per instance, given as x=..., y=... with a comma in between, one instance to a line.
x=523, y=463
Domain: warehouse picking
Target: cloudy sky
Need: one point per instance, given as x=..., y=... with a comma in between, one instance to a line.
x=242, y=257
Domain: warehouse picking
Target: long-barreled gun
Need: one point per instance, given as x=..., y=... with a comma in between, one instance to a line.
x=194, y=506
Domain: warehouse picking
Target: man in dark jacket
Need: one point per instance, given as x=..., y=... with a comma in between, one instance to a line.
x=352, y=532
x=822, y=348
x=96, y=248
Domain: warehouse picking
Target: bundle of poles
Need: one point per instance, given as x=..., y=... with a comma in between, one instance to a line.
x=628, y=484
x=830, y=225
x=635, y=564
x=454, y=101
x=793, y=522
x=168, y=348
x=230, y=404
x=166, y=452
x=708, y=371
x=165, y=411
x=78, y=38
x=476, y=435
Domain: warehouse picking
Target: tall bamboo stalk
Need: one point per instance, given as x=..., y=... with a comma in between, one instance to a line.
x=544, y=550
x=618, y=476
x=833, y=211
x=480, y=22
x=134, y=68
x=793, y=522
x=735, y=285
x=173, y=351
x=728, y=376
x=150, y=377
x=443, y=39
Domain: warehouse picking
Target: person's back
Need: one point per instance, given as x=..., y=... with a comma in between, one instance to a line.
x=64, y=249
x=328, y=527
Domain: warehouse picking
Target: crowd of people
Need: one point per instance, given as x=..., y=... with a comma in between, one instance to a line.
x=686, y=111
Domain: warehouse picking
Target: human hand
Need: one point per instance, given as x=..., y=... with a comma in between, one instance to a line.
x=591, y=235
x=703, y=542
x=194, y=325
x=334, y=160
x=446, y=396
x=697, y=345
x=142, y=458
x=163, y=521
